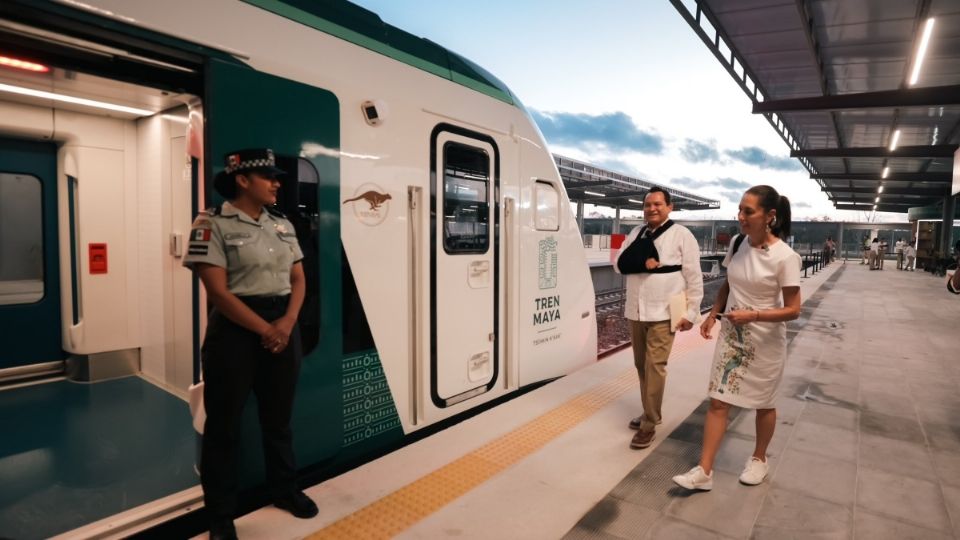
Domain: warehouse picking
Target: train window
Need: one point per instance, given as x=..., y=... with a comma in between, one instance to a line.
x=548, y=207
x=466, y=210
x=306, y=221
x=21, y=239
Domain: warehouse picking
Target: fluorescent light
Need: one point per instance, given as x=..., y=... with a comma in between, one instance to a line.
x=874, y=207
x=70, y=99
x=880, y=189
x=595, y=194
x=876, y=200
x=635, y=201
x=16, y=63
x=886, y=171
x=894, y=140
x=921, y=51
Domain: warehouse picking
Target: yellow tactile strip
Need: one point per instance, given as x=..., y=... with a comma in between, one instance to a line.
x=399, y=510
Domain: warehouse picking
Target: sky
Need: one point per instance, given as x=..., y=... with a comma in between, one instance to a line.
x=625, y=85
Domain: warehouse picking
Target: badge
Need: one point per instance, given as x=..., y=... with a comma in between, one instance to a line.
x=281, y=228
x=200, y=235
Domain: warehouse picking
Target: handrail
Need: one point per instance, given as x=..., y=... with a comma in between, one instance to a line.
x=414, y=239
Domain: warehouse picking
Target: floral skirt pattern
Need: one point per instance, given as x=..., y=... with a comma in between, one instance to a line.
x=748, y=363
x=736, y=353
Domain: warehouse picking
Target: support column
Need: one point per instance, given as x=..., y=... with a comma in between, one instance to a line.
x=840, y=243
x=946, y=230
x=580, y=216
x=616, y=221
x=712, y=241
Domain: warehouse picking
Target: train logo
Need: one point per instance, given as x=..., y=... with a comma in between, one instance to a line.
x=548, y=263
x=370, y=204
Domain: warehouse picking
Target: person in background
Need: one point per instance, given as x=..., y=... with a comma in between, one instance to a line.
x=247, y=256
x=675, y=269
x=761, y=293
x=874, y=253
x=899, y=248
x=882, y=254
x=910, y=253
x=865, y=244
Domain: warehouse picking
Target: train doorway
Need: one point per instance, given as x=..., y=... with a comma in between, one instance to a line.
x=464, y=275
x=29, y=255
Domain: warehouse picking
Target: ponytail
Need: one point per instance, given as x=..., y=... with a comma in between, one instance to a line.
x=782, y=227
x=769, y=199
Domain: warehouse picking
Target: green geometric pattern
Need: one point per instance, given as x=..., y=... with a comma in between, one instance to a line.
x=368, y=408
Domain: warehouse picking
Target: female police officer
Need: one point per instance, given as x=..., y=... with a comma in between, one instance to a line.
x=248, y=258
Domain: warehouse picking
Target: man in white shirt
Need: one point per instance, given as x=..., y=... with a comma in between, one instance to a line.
x=672, y=267
x=899, y=247
x=910, y=253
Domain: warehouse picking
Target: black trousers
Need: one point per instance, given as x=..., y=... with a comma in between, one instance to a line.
x=234, y=363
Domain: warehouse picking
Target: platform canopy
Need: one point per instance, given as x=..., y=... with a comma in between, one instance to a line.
x=835, y=78
x=594, y=185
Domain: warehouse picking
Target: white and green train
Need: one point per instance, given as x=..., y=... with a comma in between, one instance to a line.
x=445, y=268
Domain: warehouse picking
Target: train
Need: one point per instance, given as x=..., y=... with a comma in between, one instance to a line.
x=445, y=268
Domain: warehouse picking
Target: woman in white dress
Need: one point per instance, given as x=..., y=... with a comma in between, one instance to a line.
x=761, y=293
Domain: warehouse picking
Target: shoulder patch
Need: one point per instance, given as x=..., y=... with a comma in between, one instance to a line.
x=202, y=222
x=212, y=211
x=272, y=210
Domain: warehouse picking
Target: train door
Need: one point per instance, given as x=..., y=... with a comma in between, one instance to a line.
x=301, y=123
x=29, y=255
x=464, y=352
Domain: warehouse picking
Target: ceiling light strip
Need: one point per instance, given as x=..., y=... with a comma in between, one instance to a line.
x=75, y=100
x=921, y=51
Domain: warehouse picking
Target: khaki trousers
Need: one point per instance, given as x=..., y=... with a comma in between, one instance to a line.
x=652, y=342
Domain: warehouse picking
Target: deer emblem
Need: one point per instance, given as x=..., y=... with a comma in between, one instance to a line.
x=373, y=198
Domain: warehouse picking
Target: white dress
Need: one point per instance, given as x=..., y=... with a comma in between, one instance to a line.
x=749, y=359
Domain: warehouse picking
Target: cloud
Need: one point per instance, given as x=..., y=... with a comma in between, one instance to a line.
x=725, y=183
x=732, y=196
x=698, y=152
x=688, y=182
x=753, y=155
x=801, y=204
x=615, y=131
x=619, y=166
x=731, y=183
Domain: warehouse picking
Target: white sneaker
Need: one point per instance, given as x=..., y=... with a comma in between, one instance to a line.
x=754, y=472
x=695, y=478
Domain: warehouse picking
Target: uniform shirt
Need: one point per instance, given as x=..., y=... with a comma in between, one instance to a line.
x=899, y=246
x=648, y=295
x=257, y=253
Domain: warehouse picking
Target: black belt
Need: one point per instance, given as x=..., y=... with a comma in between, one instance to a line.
x=669, y=269
x=265, y=302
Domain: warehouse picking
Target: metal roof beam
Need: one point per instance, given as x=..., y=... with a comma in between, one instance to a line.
x=616, y=196
x=573, y=184
x=892, y=177
x=932, y=151
x=880, y=207
x=930, y=96
x=911, y=192
x=871, y=203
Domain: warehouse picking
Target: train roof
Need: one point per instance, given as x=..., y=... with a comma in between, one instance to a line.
x=363, y=27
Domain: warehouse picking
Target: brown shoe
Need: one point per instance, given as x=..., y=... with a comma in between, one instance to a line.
x=636, y=423
x=642, y=439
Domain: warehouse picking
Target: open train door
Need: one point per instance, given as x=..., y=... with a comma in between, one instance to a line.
x=245, y=108
x=29, y=256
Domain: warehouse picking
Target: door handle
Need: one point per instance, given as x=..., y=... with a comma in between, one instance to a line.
x=176, y=244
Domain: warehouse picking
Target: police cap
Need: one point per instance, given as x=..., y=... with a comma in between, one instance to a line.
x=260, y=160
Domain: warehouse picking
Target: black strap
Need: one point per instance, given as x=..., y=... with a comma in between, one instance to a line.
x=736, y=246
x=633, y=259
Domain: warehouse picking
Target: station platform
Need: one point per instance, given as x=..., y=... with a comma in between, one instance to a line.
x=867, y=443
